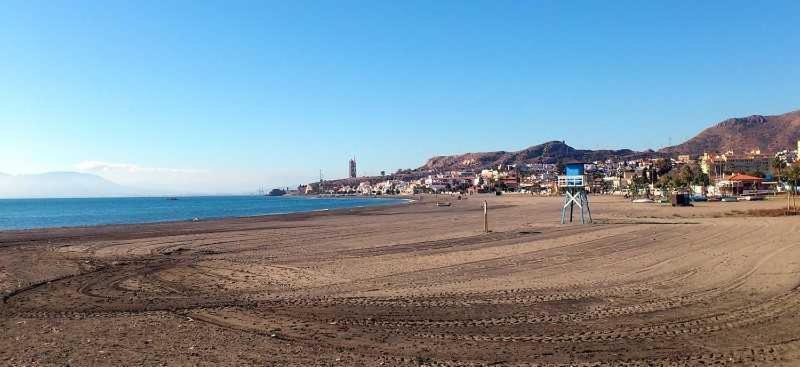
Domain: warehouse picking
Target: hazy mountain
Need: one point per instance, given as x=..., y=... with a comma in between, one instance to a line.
x=550, y=152
x=59, y=184
x=768, y=133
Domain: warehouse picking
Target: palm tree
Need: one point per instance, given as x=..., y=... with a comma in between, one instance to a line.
x=778, y=165
x=793, y=176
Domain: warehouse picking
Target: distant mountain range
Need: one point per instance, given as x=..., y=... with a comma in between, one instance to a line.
x=59, y=184
x=768, y=133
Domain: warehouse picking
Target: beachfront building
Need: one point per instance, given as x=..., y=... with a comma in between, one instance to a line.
x=390, y=187
x=597, y=184
x=411, y=188
x=729, y=163
x=455, y=181
x=628, y=175
x=436, y=184
x=615, y=184
x=344, y=190
x=787, y=156
x=509, y=182
x=364, y=188
x=311, y=188
x=741, y=184
x=539, y=168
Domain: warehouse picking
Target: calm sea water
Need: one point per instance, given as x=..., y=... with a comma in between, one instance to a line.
x=44, y=213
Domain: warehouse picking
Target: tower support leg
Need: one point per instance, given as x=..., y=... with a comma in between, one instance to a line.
x=583, y=220
x=572, y=197
x=571, y=209
x=588, y=210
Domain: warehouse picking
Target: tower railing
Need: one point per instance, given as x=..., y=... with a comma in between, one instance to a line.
x=572, y=181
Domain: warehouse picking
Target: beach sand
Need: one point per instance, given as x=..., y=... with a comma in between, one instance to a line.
x=412, y=284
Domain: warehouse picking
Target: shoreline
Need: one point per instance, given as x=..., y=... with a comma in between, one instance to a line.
x=209, y=220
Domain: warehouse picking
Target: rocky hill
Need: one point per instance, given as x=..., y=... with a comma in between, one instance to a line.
x=768, y=133
x=550, y=152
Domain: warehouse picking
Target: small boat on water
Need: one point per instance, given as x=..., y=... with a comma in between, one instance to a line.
x=172, y=198
x=441, y=203
x=643, y=201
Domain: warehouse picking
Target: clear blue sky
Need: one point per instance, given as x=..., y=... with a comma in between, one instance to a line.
x=285, y=88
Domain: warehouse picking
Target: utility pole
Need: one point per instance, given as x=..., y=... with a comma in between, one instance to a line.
x=485, y=217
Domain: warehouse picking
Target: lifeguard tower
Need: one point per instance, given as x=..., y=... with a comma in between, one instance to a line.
x=574, y=185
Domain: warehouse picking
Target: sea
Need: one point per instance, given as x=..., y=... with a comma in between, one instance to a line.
x=18, y=214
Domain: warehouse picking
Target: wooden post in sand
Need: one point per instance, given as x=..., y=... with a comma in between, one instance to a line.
x=485, y=217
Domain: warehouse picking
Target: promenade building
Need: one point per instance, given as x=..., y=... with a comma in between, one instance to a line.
x=730, y=163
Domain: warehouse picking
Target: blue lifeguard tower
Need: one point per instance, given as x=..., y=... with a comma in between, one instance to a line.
x=574, y=185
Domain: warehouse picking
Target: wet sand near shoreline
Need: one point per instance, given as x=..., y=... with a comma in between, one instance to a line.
x=409, y=285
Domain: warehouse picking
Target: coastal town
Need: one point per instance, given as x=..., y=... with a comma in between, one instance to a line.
x=400, y=183
x=748, y=172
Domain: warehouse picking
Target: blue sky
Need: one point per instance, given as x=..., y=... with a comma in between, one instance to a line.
x=253, y=93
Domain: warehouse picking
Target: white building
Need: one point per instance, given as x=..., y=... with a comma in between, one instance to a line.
x=364, y=188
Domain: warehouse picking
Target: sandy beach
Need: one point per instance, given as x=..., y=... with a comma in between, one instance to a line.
x=410, y=285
